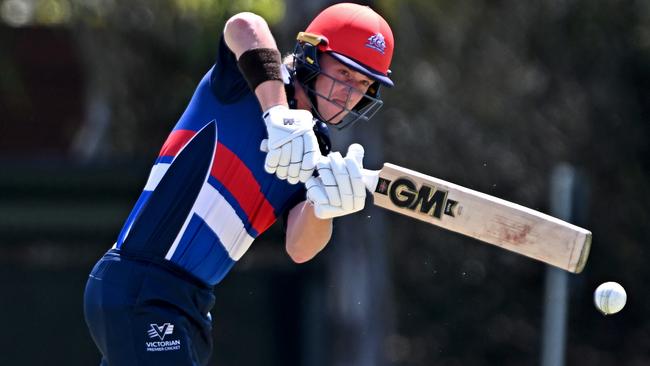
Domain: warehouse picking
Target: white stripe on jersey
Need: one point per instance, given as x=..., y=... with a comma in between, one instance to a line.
x=156, y=174
x=213, y=208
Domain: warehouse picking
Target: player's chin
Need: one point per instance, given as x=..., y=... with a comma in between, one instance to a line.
x=333, y=114
x=336, y=120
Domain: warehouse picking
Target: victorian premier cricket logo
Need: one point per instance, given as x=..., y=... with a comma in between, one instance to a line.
x=427, y=200
x=159, y=332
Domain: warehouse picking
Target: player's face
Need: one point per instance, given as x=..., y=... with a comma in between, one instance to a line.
x=343, y=87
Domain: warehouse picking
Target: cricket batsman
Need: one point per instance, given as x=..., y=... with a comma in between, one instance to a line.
x=242, y=155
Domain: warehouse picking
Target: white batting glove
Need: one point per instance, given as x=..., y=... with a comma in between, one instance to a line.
x=339, y=189
x=291, y=149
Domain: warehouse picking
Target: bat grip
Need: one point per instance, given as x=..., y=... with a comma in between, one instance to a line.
x=370, y=179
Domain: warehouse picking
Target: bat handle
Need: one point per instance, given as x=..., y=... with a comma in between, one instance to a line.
x=370, y=179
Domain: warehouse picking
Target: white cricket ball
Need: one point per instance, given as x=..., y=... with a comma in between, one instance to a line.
x=610, y=298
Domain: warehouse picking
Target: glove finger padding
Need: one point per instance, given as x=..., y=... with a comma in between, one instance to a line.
x=264, y=146
x=356, y=180
x=327, y=179
x=318, y=197
x=339, y=189
x=354, y=163
x=295, y=160
x=272, y=160
x=356, y=151
x=285, y=158
x=316, y=191
x=342, y=176
x=328, y=212
x=311, y=155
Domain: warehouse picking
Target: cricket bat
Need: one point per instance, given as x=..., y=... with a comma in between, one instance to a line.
x=487, y=218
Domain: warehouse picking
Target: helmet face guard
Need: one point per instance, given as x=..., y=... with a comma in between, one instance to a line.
x=306, y=69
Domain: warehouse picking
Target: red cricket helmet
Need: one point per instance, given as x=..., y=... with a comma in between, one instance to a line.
x=356, y=36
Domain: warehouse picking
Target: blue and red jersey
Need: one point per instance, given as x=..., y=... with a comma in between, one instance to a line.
x=237, y=201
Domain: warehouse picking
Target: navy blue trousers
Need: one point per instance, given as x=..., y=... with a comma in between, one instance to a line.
x=141, y=312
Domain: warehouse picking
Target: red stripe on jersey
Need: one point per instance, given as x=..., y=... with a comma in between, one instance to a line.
x=175, y=142
x=240, y=182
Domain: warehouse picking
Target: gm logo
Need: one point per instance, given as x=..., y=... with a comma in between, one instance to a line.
x=404, y=193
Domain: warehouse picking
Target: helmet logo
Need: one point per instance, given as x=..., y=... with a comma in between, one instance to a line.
x=377, y=43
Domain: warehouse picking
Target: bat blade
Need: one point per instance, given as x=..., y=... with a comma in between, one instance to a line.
x=478, y=215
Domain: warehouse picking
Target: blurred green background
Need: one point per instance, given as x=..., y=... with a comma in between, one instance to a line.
x=492, y=95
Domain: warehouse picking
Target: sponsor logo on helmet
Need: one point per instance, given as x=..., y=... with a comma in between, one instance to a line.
x=377, y=43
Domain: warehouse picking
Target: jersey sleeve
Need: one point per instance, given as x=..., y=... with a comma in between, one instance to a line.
x=226, y=82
